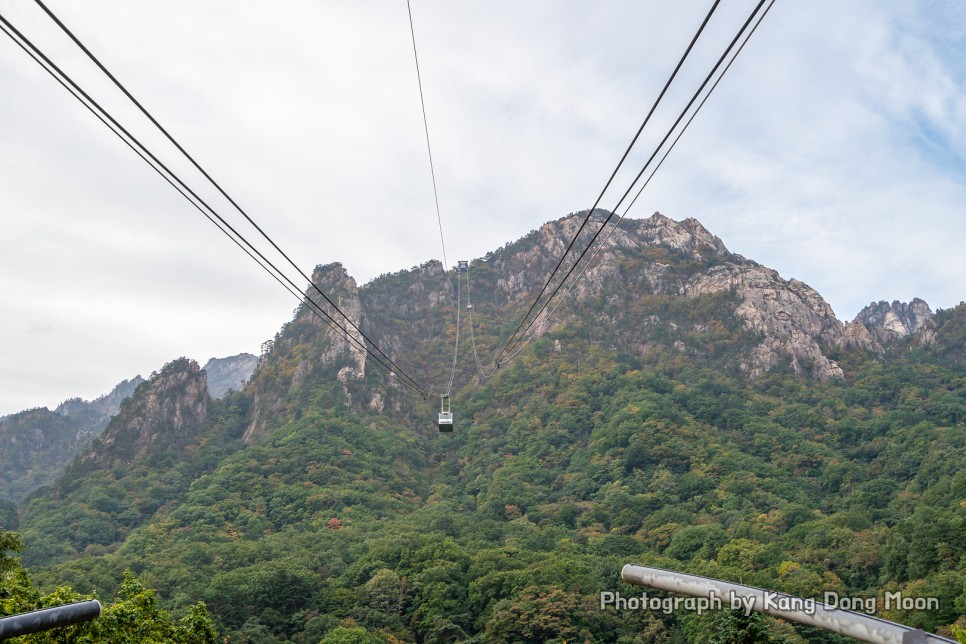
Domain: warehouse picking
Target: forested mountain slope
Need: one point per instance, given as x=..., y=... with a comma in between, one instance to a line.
x=686, y=407
x=36, y=444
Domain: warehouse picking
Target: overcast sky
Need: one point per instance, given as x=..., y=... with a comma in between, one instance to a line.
x=834, y=152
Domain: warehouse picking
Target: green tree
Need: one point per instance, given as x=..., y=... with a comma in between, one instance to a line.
x=134, y=617
x=351, y=635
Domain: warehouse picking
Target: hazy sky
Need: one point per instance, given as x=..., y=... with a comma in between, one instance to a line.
x=834, y=152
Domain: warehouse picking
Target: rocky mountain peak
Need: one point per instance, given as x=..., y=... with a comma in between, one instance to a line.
x=880, y=324
x=329, y=274
x=165, y=412
x=309, y=342
x=888, y=322
x=794, y=322
x=341, y=288
x=688, y=235
x=231, y=373
x=633, y=291
x=432, y=268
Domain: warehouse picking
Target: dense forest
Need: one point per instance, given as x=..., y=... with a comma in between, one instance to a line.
x=344, y=520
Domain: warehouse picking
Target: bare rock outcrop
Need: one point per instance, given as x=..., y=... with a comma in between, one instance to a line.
x=687, y=235
x=318, y=337
x=164, y=413
x=793, y=319
x=856, y=334
x=340, y=289
x=887, y=323
x=794, y=322
x=229, y=374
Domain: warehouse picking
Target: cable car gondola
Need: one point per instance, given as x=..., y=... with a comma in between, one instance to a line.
x=445, y=415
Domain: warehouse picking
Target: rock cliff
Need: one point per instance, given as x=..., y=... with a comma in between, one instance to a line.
x=162, y=416
x=309, y=344
x=229, y=374
x=889, y=322
x=881, y=324
x=793, y=321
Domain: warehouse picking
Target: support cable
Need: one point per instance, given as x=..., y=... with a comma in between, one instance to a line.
x=51, y=68
x=429, y=148
x=469, y=307
x=636, y=179
x=217, y=186
x=645, y=184
x=687, y=52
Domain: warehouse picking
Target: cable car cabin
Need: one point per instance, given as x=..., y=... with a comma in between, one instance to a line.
x=445, y=415
x=446, y=422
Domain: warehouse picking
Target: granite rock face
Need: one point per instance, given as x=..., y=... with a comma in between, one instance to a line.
x=890, y=322
x=881, y=324
x=315, y=339
x=790, y=316
x=794, y=322
x=687, y=235
x=229, y=374
x=164, y=413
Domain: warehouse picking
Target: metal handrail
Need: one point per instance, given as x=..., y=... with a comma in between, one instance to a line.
x=845, y=622
x=48, y=618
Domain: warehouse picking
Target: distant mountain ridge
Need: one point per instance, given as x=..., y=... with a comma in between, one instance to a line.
x=37, y=444
x=655, y=257
x=637, y=293
x=93, y=416
x=644, y=272
x=229, y=374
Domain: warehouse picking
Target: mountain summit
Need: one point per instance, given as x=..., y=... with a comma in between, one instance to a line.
x=652, y=282
x=164, y=414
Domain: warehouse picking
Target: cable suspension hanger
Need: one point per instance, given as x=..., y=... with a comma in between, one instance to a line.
x=469, y=308
x=460, y=271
